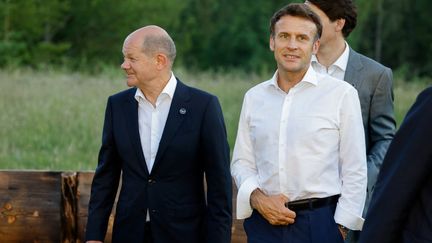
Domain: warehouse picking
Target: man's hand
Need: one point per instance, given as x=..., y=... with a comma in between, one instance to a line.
x=272, y=208
x=343, y=230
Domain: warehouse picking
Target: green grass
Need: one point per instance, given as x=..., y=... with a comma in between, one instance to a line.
x=405, y=95
x=53, y=119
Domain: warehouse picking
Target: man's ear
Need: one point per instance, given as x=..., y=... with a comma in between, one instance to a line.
x=271, y=43
x=315, y=47
x=340, y=23
x=161, y=61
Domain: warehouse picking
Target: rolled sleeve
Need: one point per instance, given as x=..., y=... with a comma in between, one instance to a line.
x=243, y=166
x=244, y=209
x=348, y=219
x=352, y=164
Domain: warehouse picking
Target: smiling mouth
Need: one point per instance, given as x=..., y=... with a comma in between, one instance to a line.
x=291, y=57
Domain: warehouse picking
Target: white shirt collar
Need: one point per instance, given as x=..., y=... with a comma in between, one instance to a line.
x=169, y=89
x=341, y=62
x=309, y=77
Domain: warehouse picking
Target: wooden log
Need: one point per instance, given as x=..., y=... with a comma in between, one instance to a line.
x=238, y=234
x=84, y=189
x=69, y=201
x=38, y=206
x=29, y=206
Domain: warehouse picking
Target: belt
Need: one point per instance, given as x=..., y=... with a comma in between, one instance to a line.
x=312, y=203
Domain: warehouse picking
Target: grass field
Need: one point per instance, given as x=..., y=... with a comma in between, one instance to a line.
x=53, y=119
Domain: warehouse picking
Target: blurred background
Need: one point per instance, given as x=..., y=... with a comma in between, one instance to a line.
x=87, y=34
x=59, y=61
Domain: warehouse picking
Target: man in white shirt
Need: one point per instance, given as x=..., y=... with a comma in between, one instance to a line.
x=162, y=138
x=372, y=80
x=299, y=158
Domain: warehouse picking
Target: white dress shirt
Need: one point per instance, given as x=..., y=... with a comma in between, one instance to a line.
x=306, y=143
x=152, y=119
x=337, y=69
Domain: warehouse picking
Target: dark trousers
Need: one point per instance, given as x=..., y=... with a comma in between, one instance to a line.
x=313, y=226
x=148, y=233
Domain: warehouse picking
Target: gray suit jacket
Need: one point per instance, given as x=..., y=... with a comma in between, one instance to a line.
x=374, y=83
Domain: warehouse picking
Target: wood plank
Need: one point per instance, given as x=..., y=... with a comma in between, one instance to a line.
x=69, y=186
x=29, y=206
x=84, y=189
x=238, y=233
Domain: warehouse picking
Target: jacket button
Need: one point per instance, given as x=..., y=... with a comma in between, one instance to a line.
x=151, y=181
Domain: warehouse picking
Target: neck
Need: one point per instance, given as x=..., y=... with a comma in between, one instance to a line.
x=153, y=88
x=287, y=80
x=329, y=52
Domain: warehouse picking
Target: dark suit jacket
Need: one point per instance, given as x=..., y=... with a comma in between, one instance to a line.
x=401, y=206
x=374, y=84
x=193, y=146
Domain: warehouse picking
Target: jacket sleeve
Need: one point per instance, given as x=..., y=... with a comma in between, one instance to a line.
x=215, y=151
x=105, y=182
x=381, y=124
x=406, y=167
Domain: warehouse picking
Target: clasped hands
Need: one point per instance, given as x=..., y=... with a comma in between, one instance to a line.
x=272, y=208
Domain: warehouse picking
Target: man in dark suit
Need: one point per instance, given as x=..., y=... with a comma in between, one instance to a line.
x=401, y=208
x=372, y=80
x=162, y=138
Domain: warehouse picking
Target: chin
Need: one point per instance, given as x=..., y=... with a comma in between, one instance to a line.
x=131, y=83
x=291, y=68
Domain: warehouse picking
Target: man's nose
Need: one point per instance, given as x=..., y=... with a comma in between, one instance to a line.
x=125, y=64
x=292, y=44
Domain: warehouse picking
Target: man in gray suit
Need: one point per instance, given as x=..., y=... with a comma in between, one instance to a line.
x=372, y=80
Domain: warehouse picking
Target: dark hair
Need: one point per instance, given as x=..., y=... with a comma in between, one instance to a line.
x=296, y=10
x=339, y=9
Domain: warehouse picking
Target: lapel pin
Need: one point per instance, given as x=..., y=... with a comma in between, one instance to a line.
x=182, y=111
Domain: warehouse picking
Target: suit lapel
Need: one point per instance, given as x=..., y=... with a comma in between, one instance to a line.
x=131, y=116
x=177, y=113
x=353, y=71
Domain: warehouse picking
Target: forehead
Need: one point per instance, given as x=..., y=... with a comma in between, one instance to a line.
x=292, y=24
x=131, y=44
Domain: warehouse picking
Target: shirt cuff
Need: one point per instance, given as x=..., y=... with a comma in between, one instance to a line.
x=244, y=209
x=348, y=219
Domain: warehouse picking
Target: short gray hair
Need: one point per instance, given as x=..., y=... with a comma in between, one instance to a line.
x=160, y=43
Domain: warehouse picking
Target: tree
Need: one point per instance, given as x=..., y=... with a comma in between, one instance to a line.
x=28, y=31
x=398, y=34
x=228, y=34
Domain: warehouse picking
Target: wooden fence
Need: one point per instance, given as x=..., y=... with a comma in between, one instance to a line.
x=43, y=206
